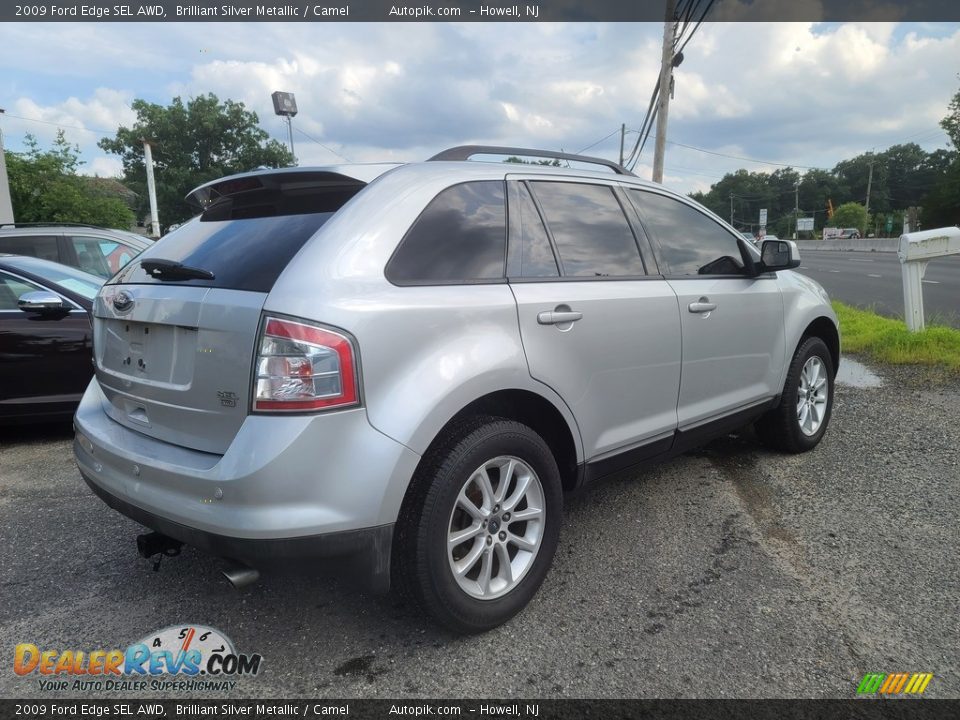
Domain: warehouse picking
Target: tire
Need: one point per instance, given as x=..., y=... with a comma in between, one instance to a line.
x=787, y=428
x=503, y=559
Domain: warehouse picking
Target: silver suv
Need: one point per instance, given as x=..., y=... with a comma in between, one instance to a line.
x=409, y=365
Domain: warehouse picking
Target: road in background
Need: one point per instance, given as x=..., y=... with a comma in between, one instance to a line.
x=872, y=279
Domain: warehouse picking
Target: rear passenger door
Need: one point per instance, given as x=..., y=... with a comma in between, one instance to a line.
x=733, y=338
x=599, y=326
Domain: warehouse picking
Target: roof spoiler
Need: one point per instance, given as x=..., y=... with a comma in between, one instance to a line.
x=286, y=179
x=465, y=152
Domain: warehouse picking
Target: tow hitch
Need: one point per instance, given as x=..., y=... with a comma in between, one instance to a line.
x=159, y=545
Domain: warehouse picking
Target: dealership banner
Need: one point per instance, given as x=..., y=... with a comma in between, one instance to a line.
x=517, y=709
x=456, y=11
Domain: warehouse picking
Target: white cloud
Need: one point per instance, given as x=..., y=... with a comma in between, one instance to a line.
x=799, y=93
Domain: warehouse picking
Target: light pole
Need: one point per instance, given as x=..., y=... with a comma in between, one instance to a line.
x=285, y=105
x=6, y=206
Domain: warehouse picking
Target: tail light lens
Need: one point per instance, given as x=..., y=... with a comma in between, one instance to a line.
x=303, y=367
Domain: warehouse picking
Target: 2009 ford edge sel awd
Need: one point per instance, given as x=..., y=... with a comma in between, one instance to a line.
x=409, y=365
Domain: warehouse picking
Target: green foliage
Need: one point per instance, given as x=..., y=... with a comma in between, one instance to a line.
x=192, y=143
x=850, y=215
x=951, y=123
x=44, y=187
x=548, y=163
x=888, y=340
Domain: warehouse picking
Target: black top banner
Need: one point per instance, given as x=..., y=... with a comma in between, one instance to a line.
x=456, y=11
x=418, y=709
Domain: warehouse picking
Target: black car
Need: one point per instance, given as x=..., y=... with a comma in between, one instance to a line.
x=45, y=338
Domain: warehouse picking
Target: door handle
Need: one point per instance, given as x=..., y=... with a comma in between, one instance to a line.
x=557, y=317
x=703, y=305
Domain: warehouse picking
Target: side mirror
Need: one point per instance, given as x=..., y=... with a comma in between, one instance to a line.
x=41, y=301
x=779, y=255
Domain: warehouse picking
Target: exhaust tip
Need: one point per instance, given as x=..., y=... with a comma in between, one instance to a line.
x=240, y=576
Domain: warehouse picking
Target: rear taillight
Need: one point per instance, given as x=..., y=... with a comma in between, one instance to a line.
x=303, y=367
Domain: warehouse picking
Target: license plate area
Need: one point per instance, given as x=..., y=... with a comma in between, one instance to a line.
x=148, y=352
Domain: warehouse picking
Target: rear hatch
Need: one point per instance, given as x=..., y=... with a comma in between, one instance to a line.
x=175, y=330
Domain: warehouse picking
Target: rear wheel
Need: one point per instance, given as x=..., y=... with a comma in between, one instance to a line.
x=799, y=422
x=479, y=529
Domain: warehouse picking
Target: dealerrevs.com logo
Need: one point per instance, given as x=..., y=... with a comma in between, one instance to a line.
x=179, y=657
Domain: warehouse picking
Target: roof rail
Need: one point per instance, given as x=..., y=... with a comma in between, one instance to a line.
x=49, y=224
x=465, y=152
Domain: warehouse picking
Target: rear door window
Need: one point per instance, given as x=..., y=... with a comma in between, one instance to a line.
x=533, y=258
x=460, y=237
x=590, y=230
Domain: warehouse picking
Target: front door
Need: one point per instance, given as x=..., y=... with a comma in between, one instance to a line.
x=733, y=336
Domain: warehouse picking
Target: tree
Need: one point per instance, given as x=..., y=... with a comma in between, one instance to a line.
x=850, y=215
x=193, y=143
x=941, y=207
x=45, y=187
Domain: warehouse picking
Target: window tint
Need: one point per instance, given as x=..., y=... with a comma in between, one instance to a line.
x=460, y=236
x=41, y=246
x=589, y=229
x=536, y=255
x=690, y=242
x=11, y=288
x=243, y=254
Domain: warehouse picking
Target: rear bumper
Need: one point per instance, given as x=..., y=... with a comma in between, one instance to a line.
x=368, y=549
x=289, y=487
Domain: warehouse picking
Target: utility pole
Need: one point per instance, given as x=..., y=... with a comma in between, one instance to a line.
x=663, y=103
x=151, y=189
x=623, y=135
x=867, y=204
x=731, y=208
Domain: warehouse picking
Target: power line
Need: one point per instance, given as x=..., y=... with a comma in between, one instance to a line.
x=61, y=125
x=605, y=137
x=310, y=137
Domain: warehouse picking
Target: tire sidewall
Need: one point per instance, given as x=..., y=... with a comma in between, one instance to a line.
x=813, y=347
x=487, y=443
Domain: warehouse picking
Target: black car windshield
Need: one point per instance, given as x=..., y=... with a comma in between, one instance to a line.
x=60, y=277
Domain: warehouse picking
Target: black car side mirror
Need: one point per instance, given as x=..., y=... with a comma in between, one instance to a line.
x=41, y=301
x=779, y=255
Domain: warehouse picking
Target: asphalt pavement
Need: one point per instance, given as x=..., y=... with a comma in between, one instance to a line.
x=728, y=572
x=873, y=280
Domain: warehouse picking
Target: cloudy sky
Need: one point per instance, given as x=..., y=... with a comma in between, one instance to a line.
x=802, y=94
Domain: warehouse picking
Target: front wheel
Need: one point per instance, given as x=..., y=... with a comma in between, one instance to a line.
x=478, y=533
x=799, y=422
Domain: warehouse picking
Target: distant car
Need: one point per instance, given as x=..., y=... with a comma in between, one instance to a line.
x=849, y=233
x=95, y=250
x=749, y=236
x=45, y=338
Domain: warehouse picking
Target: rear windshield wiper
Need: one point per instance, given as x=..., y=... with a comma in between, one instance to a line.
x=172, y=270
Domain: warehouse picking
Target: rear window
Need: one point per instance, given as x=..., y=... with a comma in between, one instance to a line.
x=242, y=254
x=246, y=240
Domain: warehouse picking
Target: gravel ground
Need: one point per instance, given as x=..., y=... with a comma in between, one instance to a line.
x=728, y=572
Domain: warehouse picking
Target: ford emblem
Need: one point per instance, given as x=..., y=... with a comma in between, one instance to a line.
x=122, y=301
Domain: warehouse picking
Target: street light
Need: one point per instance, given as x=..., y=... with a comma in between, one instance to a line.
x=285, y=105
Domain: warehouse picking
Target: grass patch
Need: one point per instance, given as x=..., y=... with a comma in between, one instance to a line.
x=888, y=340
